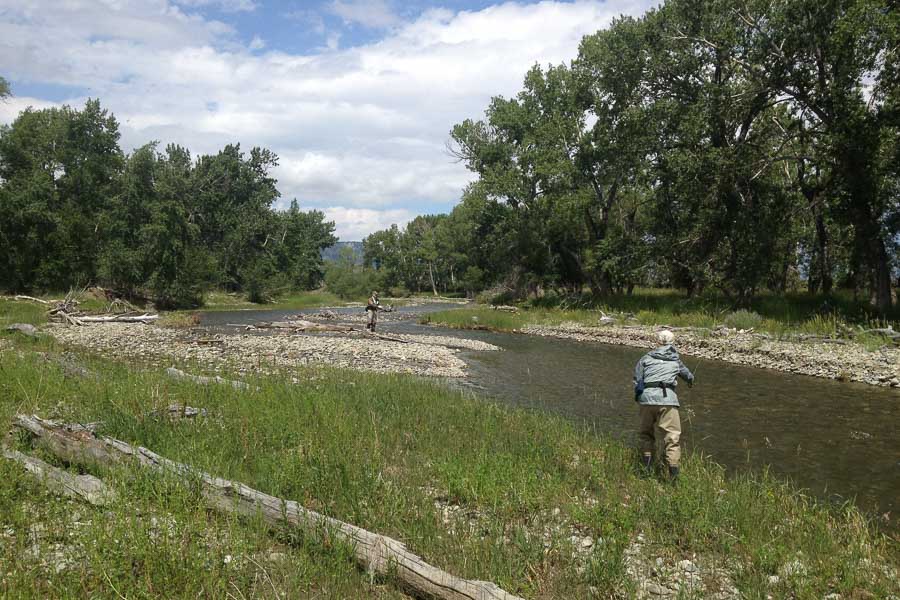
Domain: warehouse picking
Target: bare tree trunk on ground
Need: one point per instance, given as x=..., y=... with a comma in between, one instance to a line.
x=377, y=554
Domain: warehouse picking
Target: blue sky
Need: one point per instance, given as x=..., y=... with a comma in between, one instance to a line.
x=357, y=97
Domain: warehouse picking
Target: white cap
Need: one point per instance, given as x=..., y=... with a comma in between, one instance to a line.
x=665, y=337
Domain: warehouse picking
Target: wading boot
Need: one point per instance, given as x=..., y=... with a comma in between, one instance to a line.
x=673, y=475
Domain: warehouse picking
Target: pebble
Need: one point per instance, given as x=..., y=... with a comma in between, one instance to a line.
x=422, y=354
x=687, y=566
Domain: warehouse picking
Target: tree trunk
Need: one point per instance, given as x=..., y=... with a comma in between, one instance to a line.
x=378, y=554
x=824, y=278
x=431, y=277
x=86, y=487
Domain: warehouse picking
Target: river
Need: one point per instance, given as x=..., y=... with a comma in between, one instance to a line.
x=838, y=440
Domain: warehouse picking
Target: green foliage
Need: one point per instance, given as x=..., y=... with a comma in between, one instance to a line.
x=74, y=211
x=708, y=146
x=350, y=281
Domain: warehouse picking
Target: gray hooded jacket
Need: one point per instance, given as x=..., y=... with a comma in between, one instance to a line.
x=659, y=366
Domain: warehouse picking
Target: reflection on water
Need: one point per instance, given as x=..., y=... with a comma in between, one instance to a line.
x=837, y=439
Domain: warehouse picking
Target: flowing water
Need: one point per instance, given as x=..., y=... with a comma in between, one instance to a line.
x=838, y=440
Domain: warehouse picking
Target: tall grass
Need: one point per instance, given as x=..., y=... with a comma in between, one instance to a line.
x=388, y=453
x=780, y=316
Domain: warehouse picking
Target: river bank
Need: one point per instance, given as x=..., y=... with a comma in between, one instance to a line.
x=834, y=359
x=534, y=503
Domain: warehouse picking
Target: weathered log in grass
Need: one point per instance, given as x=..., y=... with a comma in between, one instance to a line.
x=376, y=553
x=24, y=329
x=21, y=297
x=178, y=411
x=144, y=318
x=86, y=487
x=203, y=380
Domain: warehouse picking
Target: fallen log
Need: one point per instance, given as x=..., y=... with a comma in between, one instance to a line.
x=177, y=411
x=144, y=318
x=302, y=326
x=203, y=380
x=378, y=554
x=86, y=487
x=24, y=329
x=33, y=299
x=386, y=338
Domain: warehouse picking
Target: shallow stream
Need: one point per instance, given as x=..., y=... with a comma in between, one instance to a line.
x=839, y=440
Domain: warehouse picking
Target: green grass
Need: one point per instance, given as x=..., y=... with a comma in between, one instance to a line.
x=218, y=300
x=836, y=316
x=378, y=451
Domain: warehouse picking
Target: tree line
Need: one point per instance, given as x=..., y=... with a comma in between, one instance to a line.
x=156, y=223
x=727, y=145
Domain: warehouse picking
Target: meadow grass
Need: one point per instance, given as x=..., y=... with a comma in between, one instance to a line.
x=388, y=453
x=785, y=316
x=219, y=300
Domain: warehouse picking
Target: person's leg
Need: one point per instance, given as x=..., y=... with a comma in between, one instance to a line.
x=374, y=320
x=646, y=434
x=670, y=427
x=370, y=319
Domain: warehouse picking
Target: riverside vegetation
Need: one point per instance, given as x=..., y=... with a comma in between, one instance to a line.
x=542, y=507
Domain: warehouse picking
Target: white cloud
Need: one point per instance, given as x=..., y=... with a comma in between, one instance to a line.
x=353, y=224
x=257, y=43
x=11, y=107
x=375, y=14
x=359, y=128
x=225, y=5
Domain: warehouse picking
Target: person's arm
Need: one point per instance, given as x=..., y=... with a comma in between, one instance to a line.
x=685, y=373
x=638, y=379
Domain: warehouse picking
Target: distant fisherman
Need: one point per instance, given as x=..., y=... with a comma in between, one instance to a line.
x=372, y=308
x=654, y=390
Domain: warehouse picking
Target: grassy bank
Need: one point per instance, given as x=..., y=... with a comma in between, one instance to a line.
x=218, y=300
x=483, y=491
x=779, y=316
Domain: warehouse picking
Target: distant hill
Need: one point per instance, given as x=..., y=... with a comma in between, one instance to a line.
x=333, y=252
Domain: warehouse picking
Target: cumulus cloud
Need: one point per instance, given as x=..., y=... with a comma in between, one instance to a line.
x=375, y=14
x=361, y=131
x=225, y=5
x=357, y=223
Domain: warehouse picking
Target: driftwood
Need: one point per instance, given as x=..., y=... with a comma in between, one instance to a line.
x=302, y=326
x=177, y=411
x=144, y=318
x=203, y=380
x=377, y=554
x=86, y=487
x=889, y=332
x=24, y=329
x=33, y=299
x=386, y=338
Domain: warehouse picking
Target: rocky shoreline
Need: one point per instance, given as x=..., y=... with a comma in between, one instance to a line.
x=830, y=361
x=278, y=351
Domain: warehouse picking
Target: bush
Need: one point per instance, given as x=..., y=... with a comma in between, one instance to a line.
x=743, y=319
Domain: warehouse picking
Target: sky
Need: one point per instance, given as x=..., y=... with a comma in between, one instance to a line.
x=356, y=97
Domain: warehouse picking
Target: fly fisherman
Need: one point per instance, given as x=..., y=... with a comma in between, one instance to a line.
x=372, y=308
x=654, y=390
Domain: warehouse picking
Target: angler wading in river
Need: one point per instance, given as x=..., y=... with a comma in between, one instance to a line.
x=372, y=308
x=654, y=390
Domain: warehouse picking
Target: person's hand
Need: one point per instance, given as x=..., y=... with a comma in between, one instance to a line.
x=690, y=383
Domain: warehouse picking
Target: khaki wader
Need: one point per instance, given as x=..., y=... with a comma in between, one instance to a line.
x=372, y=313
x=661, y=422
